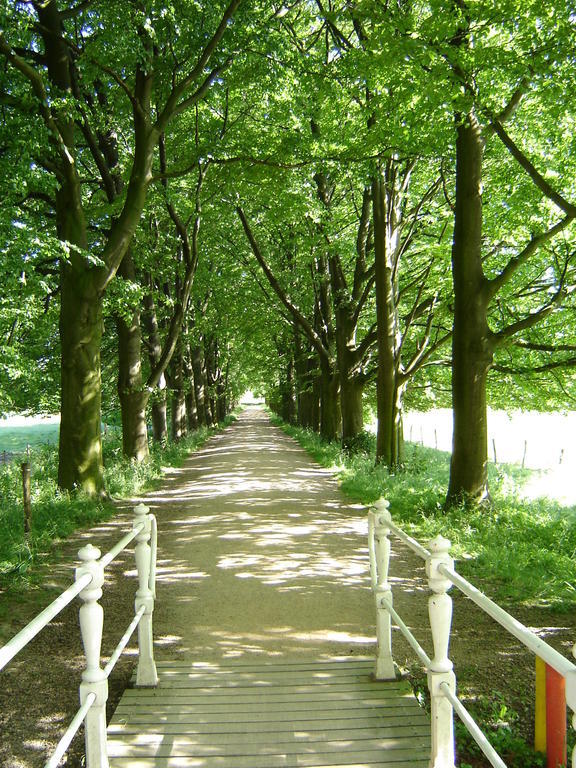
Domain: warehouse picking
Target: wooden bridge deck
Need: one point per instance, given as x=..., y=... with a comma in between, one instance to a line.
x=303, y=714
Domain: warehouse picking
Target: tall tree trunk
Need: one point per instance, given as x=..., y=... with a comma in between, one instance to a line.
x=389, y=446
x=351, y=390
x=471, y=345
x=221, y=408
x=191, y=410
x=201, y=386
x=330, y=416
x=80, y=444
x=351, y=384
x=160, y=413
x=178, y=397
x=210, y=366
x=305, y=368
x=133, y=397
x=154, y=344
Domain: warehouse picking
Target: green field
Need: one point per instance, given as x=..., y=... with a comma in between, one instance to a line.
x=15, y=439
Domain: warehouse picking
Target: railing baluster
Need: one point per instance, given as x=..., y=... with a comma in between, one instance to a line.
x=383, y=592
x=146, y=672
x=94, y=678
x=440, y=670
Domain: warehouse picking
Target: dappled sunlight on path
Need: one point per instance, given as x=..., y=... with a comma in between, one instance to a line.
x=259, y=552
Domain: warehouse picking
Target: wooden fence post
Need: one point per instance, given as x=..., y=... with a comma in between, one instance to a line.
x=26, y=497
x=440, y=670
x=94, y=678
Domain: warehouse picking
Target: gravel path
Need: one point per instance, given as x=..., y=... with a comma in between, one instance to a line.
x=260, y=555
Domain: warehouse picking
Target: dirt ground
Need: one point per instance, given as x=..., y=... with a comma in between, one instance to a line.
x=260, y=556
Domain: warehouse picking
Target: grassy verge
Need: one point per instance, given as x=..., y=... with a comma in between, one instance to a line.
x=56, y=514
x=541, y=533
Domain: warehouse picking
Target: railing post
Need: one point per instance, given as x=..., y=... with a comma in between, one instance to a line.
x=440, y=670
x=94, y=679
x=383, y=592
x=146, y=672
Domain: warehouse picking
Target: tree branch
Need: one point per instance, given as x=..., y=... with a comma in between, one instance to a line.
x=546, y=188
x=537, y=241
x=314, y=338
x=178, y=91
x=526, y=322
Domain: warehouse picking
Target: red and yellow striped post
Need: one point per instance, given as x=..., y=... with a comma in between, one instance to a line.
x=550, y=723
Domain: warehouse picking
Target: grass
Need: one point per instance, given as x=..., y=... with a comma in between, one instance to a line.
x=56, y=514
x=15, y=439
x=540, y=532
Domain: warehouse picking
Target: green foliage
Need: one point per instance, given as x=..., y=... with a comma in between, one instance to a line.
x=15, y=439
x=498, y=723
x=541, y=533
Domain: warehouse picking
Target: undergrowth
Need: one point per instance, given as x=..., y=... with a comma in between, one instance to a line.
x=56, y=514
x=541, y=533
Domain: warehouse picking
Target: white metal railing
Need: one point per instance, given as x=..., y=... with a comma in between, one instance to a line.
x=89, y=579
x=441, y=679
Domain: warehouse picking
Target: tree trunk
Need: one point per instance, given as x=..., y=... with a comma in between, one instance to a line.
x=351, y=390
x=221, y=408
x=178, y=415
x=305, y=369
x=178, y=399
x=200, y=386
x=471, y=346
x=159, y=414
x=80, y=444
x=191, y=412
x=133, y=397
x=389, y=446
x=159, y=409
x=330, y=416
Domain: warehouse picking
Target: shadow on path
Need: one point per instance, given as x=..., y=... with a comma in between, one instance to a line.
x=259, y=552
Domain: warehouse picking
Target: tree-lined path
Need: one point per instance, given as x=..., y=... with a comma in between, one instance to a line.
x=263, y=590
x=262, y=584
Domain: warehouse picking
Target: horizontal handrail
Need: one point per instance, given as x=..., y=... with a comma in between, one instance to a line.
x=122, y=544
x=71, y=731
x=414, y=644
x=538, y=646
x=15, y=644
x=124, y=641
x=412, y=543
x=473, y=728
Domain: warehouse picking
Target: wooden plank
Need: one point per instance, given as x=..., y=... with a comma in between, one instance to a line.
x=358, y=760
x=270, y=696
x=181, y=747
x=240, y=725
x=278, y=663
x=294, y=708
x=287, y=681
x=265, y=743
